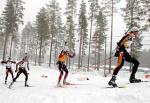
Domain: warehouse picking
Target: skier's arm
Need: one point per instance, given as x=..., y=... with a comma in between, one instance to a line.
x=13, y=62
x=3, y=62
x=17, y=66
x=71, y=56
x=28, y=65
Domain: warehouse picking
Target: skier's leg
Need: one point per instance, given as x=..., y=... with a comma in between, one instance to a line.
x=116, y=70
x=11, y=72
x=6, y=76
x=20, y=71
x=59, y=64
x=136, y=63
x=66, y=74
x=119, y=64
x=26, y=77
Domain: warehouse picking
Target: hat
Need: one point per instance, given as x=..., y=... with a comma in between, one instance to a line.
x=134, y=29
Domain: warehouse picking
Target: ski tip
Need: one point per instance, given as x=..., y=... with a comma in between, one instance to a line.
x=29, y=86
x=145, y=81
x=115, y=87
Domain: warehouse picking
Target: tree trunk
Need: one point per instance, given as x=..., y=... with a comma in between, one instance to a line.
x=131, y=13
x=35, y=56
x=50, y=55
x=11, y=42
x=79, y=59
x=5, y=46
x=105, y=59
x=82, y=55
x=55, y=56
x=95, y=58
x=39, y=62
x=90, y=41
x=111, y=37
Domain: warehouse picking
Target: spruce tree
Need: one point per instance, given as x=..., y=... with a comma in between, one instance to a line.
x=42, y=26
x=13, y=15
x=83, y=35
x=99, y=37
x=70, y=24
x=55, y=25
x=94, y=7
x=1, y=34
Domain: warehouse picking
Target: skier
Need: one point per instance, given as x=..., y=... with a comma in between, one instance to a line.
x=123, y=55
x=65, y=53
x=23, y=64
x=8, y=68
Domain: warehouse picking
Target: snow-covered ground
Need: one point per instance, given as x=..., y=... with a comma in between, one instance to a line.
x=94, y=90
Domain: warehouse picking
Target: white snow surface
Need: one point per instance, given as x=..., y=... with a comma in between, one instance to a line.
x=44, y=90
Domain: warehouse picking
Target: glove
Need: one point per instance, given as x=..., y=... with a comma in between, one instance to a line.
x=116, y=53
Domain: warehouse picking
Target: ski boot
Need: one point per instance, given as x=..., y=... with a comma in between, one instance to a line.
x=112, y=82
x=134, y=80
x=59, y=85
x=26, y=85
x=5, y=81
x=66, y=83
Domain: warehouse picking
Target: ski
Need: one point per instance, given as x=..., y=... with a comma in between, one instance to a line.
x=115, y=87
x=144, y=81
x=73, y=84
x=140, y=81
x=70, y=84
x=28, y=86
x=66, y=85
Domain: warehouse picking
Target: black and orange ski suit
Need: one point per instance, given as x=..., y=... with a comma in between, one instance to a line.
x=61, y=64
x=123, y=55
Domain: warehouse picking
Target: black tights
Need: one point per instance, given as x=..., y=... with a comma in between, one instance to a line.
x=125, y=56
x=22, y=70
x=9, y=70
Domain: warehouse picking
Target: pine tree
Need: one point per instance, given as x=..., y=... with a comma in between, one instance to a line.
x=94, y=7
x=12, y=18
x=109, y=10
x=145, y=14
x=70, y=24
x=55, y=26
x=42, y=30
x=28, y=41
x=99, y=37
x=59, y=37
x=83, y=35
x=1, y=34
